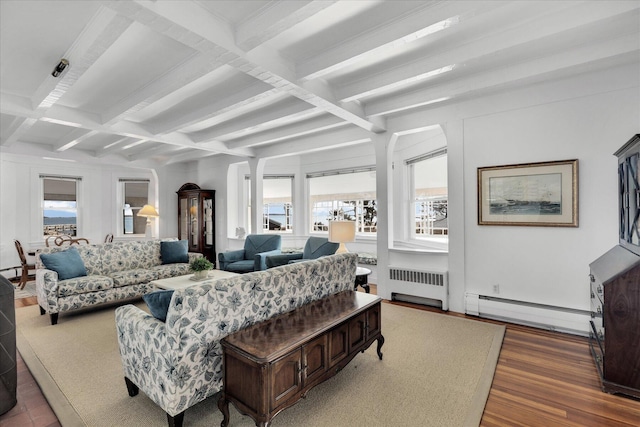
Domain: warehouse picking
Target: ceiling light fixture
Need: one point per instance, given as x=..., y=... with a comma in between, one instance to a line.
x=60, y=67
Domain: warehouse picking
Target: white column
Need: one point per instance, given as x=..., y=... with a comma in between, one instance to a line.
x=454, y=131
x=257, y=172
x=384, y=144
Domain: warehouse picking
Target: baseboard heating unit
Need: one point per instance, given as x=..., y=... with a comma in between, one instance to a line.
x=542, y=316
x=427, y=284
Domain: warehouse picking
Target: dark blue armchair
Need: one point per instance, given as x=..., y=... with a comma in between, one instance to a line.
x=253, y=257
x=313, y=249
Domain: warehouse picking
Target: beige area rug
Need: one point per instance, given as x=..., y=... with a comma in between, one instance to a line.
x=436, y=371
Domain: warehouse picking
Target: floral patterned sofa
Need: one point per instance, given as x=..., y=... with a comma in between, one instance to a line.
x=114, y=271
x=179, y=363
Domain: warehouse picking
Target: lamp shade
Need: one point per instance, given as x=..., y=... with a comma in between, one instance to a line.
x=148, y=211
x=342, y=232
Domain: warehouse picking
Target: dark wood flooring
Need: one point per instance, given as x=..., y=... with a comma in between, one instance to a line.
x=542, y=379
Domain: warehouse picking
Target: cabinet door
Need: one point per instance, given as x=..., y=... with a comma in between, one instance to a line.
x=194, y=224
x=357, y=333
x=373, y=325
x=338, y=343
x=315, y=360
x=183, y=220
x=286, y=378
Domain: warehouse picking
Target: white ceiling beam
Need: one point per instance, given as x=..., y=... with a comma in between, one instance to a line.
x=19, y=126
x=381, y=40
x=155, y=151
x=240, y=99
x=538, y=67
x=295, y=130
x=561, y=21
x=113, y=147
x=188, y=157
x=253, y=121
x=179, y=76
x=71, y=117
x=186, y=23
x=104, y=28
x=100, y=33
x=331, y=139
x=276, y=18
x=73, y=138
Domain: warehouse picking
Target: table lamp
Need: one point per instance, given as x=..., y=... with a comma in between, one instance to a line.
x=149, y=212
x=342, y=232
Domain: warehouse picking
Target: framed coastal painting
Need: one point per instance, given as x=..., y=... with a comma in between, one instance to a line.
x=529, y=194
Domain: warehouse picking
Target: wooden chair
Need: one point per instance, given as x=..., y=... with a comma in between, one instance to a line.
x=25, y=266
x=63, y=239
x=108, y=238
x=79, y=241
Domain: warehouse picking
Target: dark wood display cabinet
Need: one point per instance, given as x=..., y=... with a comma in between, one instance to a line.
x=271, y=365
x=196, y=219
x=614, y=335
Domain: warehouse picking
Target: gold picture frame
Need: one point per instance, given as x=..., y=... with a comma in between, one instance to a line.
x=543, y=194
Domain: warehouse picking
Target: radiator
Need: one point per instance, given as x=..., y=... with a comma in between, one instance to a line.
x=420, y=283
x=543, y=316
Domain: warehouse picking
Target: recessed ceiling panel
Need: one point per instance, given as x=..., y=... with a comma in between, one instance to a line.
x=138, y=56
x=46, y=133
x=34, y=36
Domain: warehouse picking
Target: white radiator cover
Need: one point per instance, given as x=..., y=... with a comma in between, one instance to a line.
x=531, y=314
x=431, y=284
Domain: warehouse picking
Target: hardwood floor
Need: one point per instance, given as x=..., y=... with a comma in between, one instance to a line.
x=542, y=379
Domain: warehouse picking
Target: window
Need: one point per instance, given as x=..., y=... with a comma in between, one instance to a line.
x=277, y=208
x=347, y=194
x=135, y=195
x=429, y=202
x=277, y=204
x=60, y=205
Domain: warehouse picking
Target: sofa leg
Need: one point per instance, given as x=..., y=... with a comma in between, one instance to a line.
x=42, y=311
x=54, y=318
x=131, y=387
x=176, y=421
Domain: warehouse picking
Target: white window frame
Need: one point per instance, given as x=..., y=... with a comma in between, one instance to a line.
x=340, y=207
x=121, y=205
x=246, y=201
x=78, y=181
x=434, y=234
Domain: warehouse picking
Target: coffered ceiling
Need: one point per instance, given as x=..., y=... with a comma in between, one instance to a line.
x=159, y=82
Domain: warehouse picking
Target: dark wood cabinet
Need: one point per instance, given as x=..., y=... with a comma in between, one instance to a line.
x=196, y=219
x=270, y=366
x=614, y=335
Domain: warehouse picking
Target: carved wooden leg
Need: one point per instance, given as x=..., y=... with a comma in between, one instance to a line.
x=131, y=387
x=42, y=311
x=380, y=342
x=223, y=405
x=177, y=420
x=54, y=318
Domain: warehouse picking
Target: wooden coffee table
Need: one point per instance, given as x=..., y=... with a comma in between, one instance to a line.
x=181, y=282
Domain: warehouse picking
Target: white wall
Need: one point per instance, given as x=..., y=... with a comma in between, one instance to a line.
x=586, y=117
x=548, y=265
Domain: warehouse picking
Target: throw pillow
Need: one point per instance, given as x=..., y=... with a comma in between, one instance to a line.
x=158, y=303
x=174, y=251
x=67, y=263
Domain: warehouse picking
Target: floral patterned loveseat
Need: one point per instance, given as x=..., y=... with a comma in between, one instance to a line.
x=179, y=363
x=115, y=271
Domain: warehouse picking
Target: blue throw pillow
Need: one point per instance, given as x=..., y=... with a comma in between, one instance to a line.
x=67, y=263
x=158, y=303
x=174, y=251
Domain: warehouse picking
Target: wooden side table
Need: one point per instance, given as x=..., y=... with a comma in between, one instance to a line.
x=362, y=279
